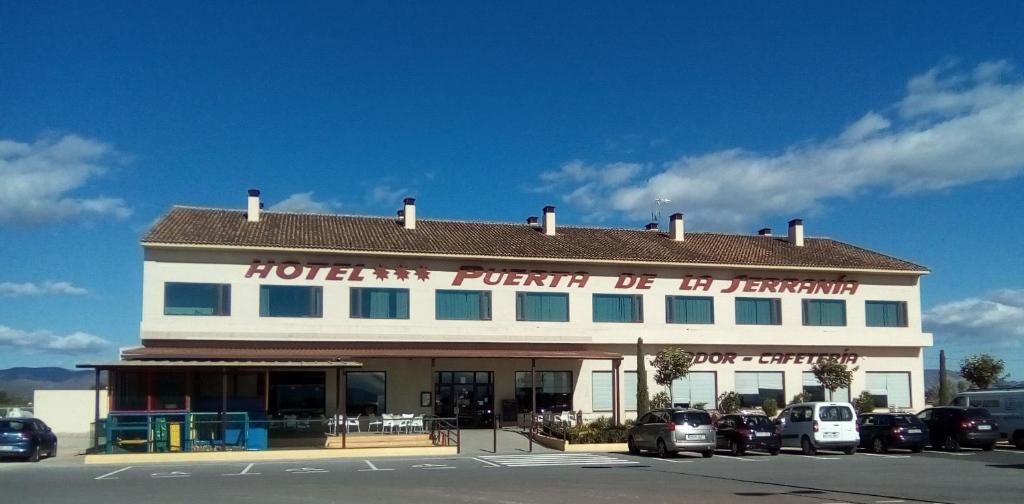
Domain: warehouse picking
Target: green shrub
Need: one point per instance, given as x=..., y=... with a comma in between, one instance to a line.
x=865, y=403
x=729, y=402
x=802, y=397
x=599, y=430
x=660, y=400
x=770, y=407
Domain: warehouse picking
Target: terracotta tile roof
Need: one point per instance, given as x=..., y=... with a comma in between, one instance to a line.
x=321, y=351
x=229, y=228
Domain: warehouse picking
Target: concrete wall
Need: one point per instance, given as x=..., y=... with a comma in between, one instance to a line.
x=69, y=411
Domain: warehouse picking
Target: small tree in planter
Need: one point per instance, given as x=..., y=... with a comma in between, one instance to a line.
x=832, y=375
x=660, y=401
x=865, y=403
x=671, y=364
x=728, y=402
x=770, y=407
x=802, y=397
x=982, y=370
x=643, y=398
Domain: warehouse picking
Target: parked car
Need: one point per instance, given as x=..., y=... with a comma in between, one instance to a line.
x=741, y=432
x=27, y=438
x=813, y=426
x=1006, y=405
x=669, y=431
x=881, y=431
x=951, y=427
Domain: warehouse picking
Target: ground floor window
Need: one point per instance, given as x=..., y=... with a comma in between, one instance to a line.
x=754, y=387
x=629, y=386
x=813, y=387
x=601, y=386
x=889, y=389
x=554, y=391
x=298, y=393
x=131, y=391
x=468, y=395
x=366, y=392
x=696, y=388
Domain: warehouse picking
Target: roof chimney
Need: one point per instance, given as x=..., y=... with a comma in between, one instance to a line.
x=676, y=226
x=549, y=220
x=254, y=205
x=796, y=232
x=533, y=221
x=764, y=232
x=651, y=226
x=409, y=213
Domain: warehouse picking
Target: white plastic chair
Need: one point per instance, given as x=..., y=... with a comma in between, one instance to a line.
x=417, y=424
x=375, y=421
x=388, y=423
x=291, y=421
x=352, y=422
x=405, y=422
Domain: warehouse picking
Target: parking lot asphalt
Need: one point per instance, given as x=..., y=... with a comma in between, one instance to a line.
x=966, y=477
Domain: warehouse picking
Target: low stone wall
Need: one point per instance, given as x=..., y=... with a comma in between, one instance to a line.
x=565, y=446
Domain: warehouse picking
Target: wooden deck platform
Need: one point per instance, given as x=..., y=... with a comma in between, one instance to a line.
x=367, y=440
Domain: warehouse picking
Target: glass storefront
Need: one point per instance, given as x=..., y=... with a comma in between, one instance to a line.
x=466, y=394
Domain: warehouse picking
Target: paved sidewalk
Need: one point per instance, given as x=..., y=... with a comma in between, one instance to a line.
x=477, y=441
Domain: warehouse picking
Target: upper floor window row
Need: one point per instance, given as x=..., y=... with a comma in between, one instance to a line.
x=886, y=313
x=184, y=298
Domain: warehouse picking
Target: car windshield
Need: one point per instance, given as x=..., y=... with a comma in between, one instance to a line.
x=977, y=413
x=906, y=420
x=12, y=426
x=758, y=421
x=835, y=414
x=694, y=418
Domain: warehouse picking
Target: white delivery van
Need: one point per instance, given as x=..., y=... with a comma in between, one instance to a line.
x=820, y=425
x=1006, y=405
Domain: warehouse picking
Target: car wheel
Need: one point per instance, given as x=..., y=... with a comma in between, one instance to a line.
x=807, y=447
x=850, y=450
x=951, y=444
x=989, y=447
x=917, y=449
x=734, y=448
x=1018, y=441
x=53, y=451
x=35, y=455
x=773, y=452
x=708, y=453
x=662, y=449
x=878, y=446
x=631, y=443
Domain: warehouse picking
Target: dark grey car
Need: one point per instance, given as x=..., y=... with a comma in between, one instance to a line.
x=669, y=431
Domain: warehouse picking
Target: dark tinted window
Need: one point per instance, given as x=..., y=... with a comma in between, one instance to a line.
x=835, y=414
x=15, y=425
x=757, y=421
x=694, y=418
x=906, y=420
x=976, y=413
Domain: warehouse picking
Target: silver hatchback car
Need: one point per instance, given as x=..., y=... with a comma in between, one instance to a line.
x=669, y=431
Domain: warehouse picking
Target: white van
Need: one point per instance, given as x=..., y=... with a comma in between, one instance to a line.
x=1006, y=406
x=820, y=425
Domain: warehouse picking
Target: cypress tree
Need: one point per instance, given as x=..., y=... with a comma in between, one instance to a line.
x=643, y=400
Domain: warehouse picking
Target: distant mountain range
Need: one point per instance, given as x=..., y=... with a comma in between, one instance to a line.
x=21, y=381
x=931, y=379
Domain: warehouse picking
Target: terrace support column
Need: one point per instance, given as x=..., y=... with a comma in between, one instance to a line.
x=616, y=393
x=342, y=385
x=96, y=410
x=223, y=406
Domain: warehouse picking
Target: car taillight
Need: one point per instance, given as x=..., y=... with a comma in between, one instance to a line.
x=743, y=431
x=815, y=426
x=967, y=424
x=671, y=426
x=895, y=431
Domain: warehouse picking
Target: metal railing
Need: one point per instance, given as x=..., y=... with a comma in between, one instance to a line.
x=446, y=432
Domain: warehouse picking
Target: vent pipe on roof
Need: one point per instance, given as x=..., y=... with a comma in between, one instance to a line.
x=676, y=226
x=533, y=221
x=253, y=214
x=409, y=213
x=764, y=232
x=651, y=226
x=796, y=232
x=549, y=220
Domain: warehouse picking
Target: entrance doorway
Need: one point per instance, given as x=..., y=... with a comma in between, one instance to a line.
x=298, y=393
x=469, y=395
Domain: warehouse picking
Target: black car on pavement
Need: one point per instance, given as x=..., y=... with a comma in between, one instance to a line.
x=741, y=432
x=27, y=438
x=881, y=431
x=951, y=427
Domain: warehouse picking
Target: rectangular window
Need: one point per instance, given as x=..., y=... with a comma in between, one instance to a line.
x=824, y=312
x=754, y=387
x=462, y=305
x=379, y=303
x=182, y=298
x=697, y=387
x=601, y=390
x=886, y=313
x=542, y=307
x=366, y=393
x=689, y=310
x=629, y=386
x=618, y=308
x=890, y=390
x=758, y=311
x=812, y=386
x=291, y=301
x=554, y=391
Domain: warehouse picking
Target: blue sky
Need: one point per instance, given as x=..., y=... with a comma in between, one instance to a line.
x=895, y=127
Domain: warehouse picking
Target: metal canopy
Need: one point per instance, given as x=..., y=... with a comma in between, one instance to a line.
x=221, y=364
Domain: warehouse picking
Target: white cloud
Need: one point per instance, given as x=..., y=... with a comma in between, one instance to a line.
x=48, y=342
x=386, y=194
x=951, y=128
x=39, y=179
x=304, y=203
x=993, y=321
x=10, y=289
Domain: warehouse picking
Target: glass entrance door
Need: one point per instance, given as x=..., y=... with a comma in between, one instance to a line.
x=466, y=394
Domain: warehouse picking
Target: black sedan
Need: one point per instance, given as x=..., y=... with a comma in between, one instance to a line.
x=741, y=432
x=951, y=427
x=881, y=431
x=27, y=438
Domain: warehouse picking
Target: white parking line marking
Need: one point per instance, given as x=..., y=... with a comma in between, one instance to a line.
x=820, y=457
x=738, y=458
x=488, y=462
x=109, y=474
x=373, y=467
x=674, y=461
x=950, y=453
x=555, y=459
x=1019, y=452
x=172, y=474
x=888, y=502
x=885, y=456
x=245, y=472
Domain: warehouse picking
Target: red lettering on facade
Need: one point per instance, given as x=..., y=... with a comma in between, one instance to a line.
x=337, y=272
x=646, y=281
x=314, y=268
x=734, y=285
x=356, y=275
x=535, y=278
x=260, y=269
x=467, y=272
x=493, y=278
x=557, y=276
x=513, y=278
x=625, y=281
x=769, y=284
x=289, y=270
x=579, y=279
x=751, y=285
x=789, y=286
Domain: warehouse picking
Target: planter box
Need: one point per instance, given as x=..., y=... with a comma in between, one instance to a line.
x=565, y=446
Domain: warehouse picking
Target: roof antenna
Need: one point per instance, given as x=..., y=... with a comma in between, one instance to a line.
x=656, y=216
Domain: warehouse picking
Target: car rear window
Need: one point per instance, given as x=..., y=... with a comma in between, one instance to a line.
x=757, y=421
x=976, y=413
x=13, y=426
x=906, y=420
x=691, y=417
x=835, y=414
